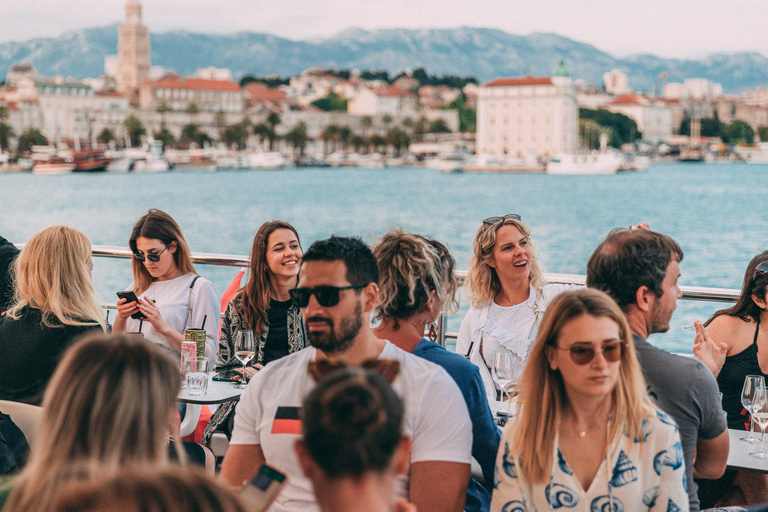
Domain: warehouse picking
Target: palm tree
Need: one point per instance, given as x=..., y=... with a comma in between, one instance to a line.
x=344, y=133
x=408, y=124
x=134, y=128
x=377, y=141
x=386, y=119
x=31, y=137
x=298, y=138
x=273, y=119
x=192, y=110
x=105, y=136
x=162, y=109
x=6, y=130
x=366, y=122
x=263, y=132
x=397, y=138
x=357, y=142
x=329, y=137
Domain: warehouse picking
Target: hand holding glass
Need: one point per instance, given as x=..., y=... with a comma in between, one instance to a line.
x=751, y=384
x=245, y=350
x=504, y=369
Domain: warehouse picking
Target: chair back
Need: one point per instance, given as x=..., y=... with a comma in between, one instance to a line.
x=25, y=416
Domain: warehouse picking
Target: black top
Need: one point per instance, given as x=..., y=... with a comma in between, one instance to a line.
x=276, y=345
x=30, y=352
x=7, y=253
x=731, y=381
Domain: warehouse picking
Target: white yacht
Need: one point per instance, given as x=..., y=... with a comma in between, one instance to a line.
x=583, y=164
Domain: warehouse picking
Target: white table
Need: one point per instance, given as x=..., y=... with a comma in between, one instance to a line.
x=738, y=454
x=219, y=391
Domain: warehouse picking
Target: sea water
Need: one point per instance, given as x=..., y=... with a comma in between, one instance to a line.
x=717, y=212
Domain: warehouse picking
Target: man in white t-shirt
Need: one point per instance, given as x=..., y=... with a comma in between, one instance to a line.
x=336, y=293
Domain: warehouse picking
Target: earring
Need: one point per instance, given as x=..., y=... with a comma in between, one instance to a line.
x=432, y=335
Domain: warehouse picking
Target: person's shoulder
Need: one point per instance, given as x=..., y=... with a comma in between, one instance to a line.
x=439, y=355
x=727, y=328
x=551, y=290
x=290, y=363
x=412, y=367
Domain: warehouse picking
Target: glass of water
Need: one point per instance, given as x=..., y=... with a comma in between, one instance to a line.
x=196, y=371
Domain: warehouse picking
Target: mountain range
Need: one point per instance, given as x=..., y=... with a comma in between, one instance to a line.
x=479, y=52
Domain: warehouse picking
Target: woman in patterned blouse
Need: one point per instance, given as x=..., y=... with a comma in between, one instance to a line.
x=587, y=436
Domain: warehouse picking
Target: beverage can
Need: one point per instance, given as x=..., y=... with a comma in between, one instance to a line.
x=198, y=337
x=188, y=352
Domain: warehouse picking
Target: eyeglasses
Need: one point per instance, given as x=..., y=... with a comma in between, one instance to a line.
x=151, y=257
x=327, y=296
x=761, y=269
x=494, y=220
x=584, y=354
x=387, y=369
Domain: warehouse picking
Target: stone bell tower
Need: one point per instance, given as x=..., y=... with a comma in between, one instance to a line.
x=132, y=51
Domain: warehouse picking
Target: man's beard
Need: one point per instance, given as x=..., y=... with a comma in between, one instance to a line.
x=333, y=342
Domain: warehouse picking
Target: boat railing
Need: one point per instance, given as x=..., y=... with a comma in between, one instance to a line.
x=698, y=293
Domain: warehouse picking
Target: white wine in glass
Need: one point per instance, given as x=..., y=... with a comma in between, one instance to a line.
x=751, y=384
x=245, y=350
x=760, y=416
x=504, y=369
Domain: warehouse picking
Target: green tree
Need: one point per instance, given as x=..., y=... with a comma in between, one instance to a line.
x=739, y=132
x=467, y=115
x=763, y=133
x=31, y=137
x=134, y=128
x=344, y=133
x=398, y=139
x=273, y=119
x=386, y=119
x=298, y=138
x=408, y=124
x=329, y=136
x=192, y=110
x=220, y=120
x=105, y=136
x=332, y=102
x=263, y=132
x=235, y=135
x=620, y=128
x=421, y=126
x=189, y=133
x=710, y=127
x=377, y=141
x=439, y=126
x=162, y=109
x=6, y=130
x=166, y=137
x=357, y=142
x=366, y=122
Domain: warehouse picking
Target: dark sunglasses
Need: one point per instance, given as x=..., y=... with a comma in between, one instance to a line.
x=761, y=269
x=387, y=369
x=151, y=257
x=327, y=296
x=584, y=354
x=494, y=220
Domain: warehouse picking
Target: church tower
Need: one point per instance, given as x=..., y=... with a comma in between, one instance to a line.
x=132, y=51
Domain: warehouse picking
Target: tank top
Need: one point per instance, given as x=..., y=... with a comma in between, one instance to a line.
x=731, y=381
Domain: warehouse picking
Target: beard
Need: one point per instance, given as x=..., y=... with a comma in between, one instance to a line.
x=333, y=341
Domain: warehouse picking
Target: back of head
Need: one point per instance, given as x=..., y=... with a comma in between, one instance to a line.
x=158, y=225
x=141, y=489
x=108, y=404
x=52, y=274
x=352, y=423
x=8, y=253
x=628, y=259
x=358, y=258
x=410, y=268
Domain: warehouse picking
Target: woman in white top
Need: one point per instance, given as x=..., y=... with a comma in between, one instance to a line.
x=508, y=294
x=171, y=294
x=587, y=436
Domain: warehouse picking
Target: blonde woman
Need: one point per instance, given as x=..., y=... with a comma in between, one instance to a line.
x=171, y=294
x=54, y=303
x=508, y=293
x=587, y=436
x=109, y=404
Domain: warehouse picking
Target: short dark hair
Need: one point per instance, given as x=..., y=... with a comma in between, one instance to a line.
x=352, y=423
x=628, y=259
x=360, y=261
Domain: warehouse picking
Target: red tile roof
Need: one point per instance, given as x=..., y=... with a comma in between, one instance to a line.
x=629, y=99
x=260, y=92
x=519, y=81
x=177, y=82
x=391, y=91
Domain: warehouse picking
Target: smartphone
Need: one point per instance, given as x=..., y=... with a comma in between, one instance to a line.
x=226, y=375
x=262, y=490
x=130, y=296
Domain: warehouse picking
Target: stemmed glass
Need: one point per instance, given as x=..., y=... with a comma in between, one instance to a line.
x=245, y=350
x=504, y=368
x=751, y=384
x=760, y=416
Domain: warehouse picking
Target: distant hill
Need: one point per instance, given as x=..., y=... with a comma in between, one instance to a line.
x=479, y=52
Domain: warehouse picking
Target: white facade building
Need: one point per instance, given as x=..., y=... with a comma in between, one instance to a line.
x=389, y=100
x=527, y=117
x=616, y=82
x=693, y=88
x=654, y=118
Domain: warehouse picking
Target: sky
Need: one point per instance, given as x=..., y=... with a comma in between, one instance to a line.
x=667, y=28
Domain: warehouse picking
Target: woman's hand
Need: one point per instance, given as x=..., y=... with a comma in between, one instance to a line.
x=250, y=371
x=706, y=350
x=124, y=310
x=152, y=312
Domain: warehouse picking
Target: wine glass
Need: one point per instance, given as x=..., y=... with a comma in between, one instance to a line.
x=760, y=416
x=504, y=369
x=245, y=350
x=751, y=384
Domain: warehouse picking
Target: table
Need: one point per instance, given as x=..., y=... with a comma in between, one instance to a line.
x=738, y=453
x=219, y=391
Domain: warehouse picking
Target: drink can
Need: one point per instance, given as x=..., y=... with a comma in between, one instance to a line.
x=188, y=352
x=198, y=337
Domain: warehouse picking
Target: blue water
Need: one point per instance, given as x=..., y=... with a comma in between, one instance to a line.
x=716, y=212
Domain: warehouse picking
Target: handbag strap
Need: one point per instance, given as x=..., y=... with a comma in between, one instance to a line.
x=189, y=303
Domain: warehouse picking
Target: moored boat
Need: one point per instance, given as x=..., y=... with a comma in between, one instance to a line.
x=54, y=166
x=584, y=164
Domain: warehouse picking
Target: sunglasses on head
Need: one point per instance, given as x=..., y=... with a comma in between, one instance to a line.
x=761, y=269
x=151, y=257
x=584, y=354
x=327, y=296
x=496, y=219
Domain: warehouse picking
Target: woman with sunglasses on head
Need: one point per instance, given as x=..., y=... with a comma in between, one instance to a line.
x=263, y=306
x=587, y=436
x=733, y=343
x=172, y=296
x=508, y=293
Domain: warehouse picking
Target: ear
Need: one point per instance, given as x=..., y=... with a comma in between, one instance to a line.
x=550, y=353
x=402, y=458
x=644, y=299
x=172, y=246
x=429, y=306
x=760, y=302
x=305, y=461
x=370, y=295
x=491, y=261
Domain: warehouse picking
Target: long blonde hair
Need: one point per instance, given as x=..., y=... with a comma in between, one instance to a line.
x=543, y=393
x=482, y=281
x=107, y=405
x=51, y=274
x=158, y=225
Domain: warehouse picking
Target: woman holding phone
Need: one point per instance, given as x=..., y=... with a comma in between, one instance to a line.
x=171, y=295
x=264, y=307
x=588, y=435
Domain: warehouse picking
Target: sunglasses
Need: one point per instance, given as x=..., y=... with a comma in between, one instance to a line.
x=761, y=269
x=327, y=296
x=387, y=369
x=584, y=354
x=151, y=257
x=496, y=219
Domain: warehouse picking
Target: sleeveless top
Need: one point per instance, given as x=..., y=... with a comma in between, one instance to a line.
x=731, y=381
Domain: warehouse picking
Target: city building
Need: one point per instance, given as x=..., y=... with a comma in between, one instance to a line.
x=654, y=118
x=616, y=82
x=386, y=100
x=693, y=88
x=180, y=93
x=528, y=116
x=132, y=51
x=261, y=98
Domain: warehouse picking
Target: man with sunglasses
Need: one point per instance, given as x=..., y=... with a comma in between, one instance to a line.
x=640, y=269
x=337, y=291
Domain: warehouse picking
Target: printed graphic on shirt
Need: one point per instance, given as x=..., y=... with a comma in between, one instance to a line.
x=287, y=421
